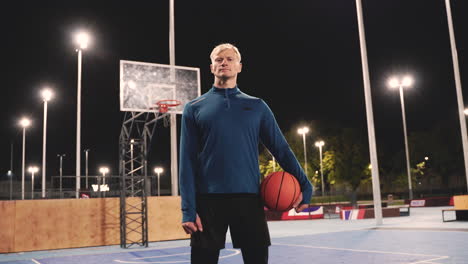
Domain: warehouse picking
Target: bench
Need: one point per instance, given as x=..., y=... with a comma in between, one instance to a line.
x=461, y=209
x=460, y=215
x=404, y=209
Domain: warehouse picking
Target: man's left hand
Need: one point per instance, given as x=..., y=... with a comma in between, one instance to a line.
x=299, y=207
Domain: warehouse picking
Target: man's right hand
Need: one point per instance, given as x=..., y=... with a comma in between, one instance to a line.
x=191, y=227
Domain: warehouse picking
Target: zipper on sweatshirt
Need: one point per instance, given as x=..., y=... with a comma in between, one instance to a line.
x=226, y=97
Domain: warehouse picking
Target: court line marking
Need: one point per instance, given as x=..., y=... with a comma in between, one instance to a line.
x=35, y=261
x=235, y=252
x=419, y=229
x=163, y=256
x=437, y=257
x=117, y=251
x=429, y=261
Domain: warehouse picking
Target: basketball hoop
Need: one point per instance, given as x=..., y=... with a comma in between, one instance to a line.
x=163, y=105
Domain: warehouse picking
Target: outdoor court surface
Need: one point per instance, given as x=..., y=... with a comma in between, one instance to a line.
x=420, y=238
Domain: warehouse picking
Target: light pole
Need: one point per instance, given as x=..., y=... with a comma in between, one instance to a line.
x=32, y=170
x=400, y=83
x=24, y=122
x=104, y=171
x=158, y=171
x=132, y=141
x=82, y=39
x=61, y=172
x=303, y=131
x=274, y=162
x=458, y=86
x=320, y=144
x=46, y=95
x=86, y=168
x=10, y=174
x=369, y=115
x=11, y=157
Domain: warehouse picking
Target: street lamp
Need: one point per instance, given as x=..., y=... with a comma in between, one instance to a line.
x=400, y=84
x=24, y=122
x=82, y=39
x=104, y=171
x=319, y=144
x=458, y=85
x=61, y=172
x=303, y=131
x=10, y=174
x=86, y=170
x=158, y=171
x=32, y=170
x=274, y=162
x=132, y=142
x=46, y=95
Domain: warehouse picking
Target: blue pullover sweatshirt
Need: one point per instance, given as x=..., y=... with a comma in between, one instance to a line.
x=220, y=135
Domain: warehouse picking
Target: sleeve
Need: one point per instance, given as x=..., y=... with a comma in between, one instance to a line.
x=188, y=157
x=273, y=139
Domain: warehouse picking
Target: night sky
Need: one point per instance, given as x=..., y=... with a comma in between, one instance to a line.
x=301, y=57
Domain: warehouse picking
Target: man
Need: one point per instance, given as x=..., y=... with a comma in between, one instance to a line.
x=219, y=170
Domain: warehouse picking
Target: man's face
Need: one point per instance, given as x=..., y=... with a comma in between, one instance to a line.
x=226, y=64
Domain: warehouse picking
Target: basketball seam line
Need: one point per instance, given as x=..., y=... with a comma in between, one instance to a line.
x=279, y=193
x=294, y=196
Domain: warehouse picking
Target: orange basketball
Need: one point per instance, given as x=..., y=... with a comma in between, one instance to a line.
x=279, y=191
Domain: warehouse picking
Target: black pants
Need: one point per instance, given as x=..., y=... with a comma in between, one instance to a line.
x=245, y=217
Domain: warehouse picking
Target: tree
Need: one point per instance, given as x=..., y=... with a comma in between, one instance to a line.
x=329, y=172
x=345, y=157
x=442, y=145
x=296, y=144
x=269, y=167
x=350, y=159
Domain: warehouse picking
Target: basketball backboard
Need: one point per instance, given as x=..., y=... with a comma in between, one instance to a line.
x=143, y=84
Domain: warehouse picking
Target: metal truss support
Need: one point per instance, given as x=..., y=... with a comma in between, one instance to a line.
x=135, y=136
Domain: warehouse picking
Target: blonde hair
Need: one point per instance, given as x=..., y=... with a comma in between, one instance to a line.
x=222, y=47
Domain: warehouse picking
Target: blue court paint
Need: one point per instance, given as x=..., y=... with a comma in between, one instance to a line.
x=351, y=247
x=375, y=246
x=167, y=256
x=327, y=255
